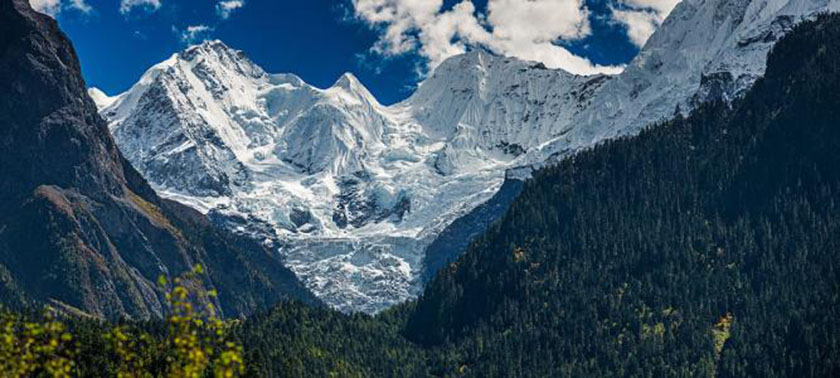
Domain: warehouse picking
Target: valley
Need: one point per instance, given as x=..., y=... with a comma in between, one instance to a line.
x=678, y=219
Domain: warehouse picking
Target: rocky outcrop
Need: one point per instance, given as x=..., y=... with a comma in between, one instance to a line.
x=79, y=227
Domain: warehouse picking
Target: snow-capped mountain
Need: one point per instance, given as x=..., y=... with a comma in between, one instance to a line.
x=704, y=50
x=351, y=192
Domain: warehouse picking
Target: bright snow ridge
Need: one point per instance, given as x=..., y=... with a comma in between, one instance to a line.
x=351, y=192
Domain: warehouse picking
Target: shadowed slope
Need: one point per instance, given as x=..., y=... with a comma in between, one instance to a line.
x=78, y=226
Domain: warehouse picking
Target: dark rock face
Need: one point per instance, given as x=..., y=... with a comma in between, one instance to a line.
x=50, y=129
x=79, y=227
x=718, y=86
x=358, y=203
x=159, y=115
x=456, y=237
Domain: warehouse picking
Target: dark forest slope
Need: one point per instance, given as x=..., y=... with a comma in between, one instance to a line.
x=623, y=258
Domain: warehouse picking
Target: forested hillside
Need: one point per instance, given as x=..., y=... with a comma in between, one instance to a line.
x=704, y=246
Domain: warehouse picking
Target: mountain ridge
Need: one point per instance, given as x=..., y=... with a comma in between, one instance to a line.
x=79, y=227
x=331, y=169
x=704, y=246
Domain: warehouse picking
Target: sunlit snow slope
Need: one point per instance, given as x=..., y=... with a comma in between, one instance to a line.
x=351, y=192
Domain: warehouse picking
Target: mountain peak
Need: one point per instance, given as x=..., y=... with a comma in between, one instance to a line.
x=478, y=55
x=99, y=97
x=471, y=60
x=215, y=55
x=347, y=81
x=433, y=156
x=207, y=47
x=104, y=236
x=469, y=70
x=351, y=84
x=218, y=51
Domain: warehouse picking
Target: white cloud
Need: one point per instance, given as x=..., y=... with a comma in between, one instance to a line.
x=538, y=20
x=642, y=17
x=640, y=24
x=663, y=7
x=193, y=33
x=81, y=6
x=528, y=29
x=225, y=8
x=126, y=6
x=524, y=29
x=50, y=7
x=54, y=7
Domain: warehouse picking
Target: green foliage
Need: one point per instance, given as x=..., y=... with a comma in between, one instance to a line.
x=192, y=343
x=197, y=338
x=296, y=340
x=721, y=332
x=35, y=348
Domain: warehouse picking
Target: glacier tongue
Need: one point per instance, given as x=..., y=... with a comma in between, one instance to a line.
x=351, y=192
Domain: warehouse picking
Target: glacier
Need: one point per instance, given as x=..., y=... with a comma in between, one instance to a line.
x=351, y=192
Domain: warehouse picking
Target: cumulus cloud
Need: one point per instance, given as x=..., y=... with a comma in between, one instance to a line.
x=640, y=24
x=642, y=17
x=54, y=7
x=225, y=8
x=661, y=6
x=50, y=7
x=81, y=6
x=193, y=33
x=126, y=6
x=524, y=29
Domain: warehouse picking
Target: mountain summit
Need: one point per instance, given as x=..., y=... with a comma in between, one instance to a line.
x=79, y=227
x=352, y=192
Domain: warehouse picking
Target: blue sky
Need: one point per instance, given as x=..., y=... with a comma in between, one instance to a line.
x=385, y=43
